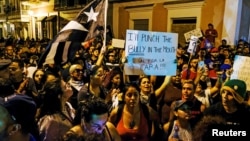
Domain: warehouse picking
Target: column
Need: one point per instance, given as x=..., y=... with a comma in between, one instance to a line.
x=30, y=24
x=231, y=21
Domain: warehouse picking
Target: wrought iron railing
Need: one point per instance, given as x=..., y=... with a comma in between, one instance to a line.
x=69, y=4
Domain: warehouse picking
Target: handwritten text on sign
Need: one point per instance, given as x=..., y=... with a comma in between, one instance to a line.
x=241, y=69
x=150, y=53
x=196, y=32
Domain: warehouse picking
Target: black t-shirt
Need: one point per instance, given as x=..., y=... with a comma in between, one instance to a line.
x=196, y=113
x=237, y=121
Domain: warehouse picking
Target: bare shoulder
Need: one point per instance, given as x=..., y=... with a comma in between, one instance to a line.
x=114, y=111
x=73, y=134
x=77, y=129
x=113, y=114
x=110, y=126
x=166, y=127
x=113, y=132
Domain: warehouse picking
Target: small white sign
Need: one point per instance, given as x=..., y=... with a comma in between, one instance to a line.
x=241, y=69
x=196, y=32
x=118, y=43
x=192, y=44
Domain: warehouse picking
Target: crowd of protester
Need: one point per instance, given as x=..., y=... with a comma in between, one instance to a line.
x=91, y=99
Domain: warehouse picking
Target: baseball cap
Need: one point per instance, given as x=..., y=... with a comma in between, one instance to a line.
x=4, y=63
x=183, y=105
x=22, y=108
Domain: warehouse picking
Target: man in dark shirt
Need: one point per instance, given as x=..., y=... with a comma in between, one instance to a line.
x=187, y=94
x=232, y=109
x=17, y=119
x=211, y=33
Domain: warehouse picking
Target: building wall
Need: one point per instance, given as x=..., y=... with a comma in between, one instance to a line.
x=225, y=15
x=213, y=12
x=140, y=13
x=123, y=23
x=184, y=10
x=159, y=18
x=160, y=15
x=245, y=20
x=41, y=11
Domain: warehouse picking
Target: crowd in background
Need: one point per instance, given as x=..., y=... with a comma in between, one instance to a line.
x=91, y=98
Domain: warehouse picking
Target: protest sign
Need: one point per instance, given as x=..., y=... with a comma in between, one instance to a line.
x=192, y=45
x=118, y=43
x=241, y=69
x=196, y=32
x=150, y=53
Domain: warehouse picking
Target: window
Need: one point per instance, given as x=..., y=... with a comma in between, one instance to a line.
x=186, y=21
x=70, y=2
x=141, y=24
x=183, y=25
x=82, y=2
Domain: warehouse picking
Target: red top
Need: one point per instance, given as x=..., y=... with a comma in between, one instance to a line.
x=208, y=35
x=140, y=134
x=192, y=75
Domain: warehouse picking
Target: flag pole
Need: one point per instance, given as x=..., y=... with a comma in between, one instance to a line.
x=104, y=48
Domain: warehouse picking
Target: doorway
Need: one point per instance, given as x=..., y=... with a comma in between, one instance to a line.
x=181, y=26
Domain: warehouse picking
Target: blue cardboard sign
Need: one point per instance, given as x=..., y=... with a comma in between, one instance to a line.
x=150, y=53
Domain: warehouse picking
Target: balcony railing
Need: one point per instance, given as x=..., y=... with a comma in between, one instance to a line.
x=69, y=5
x=14, y=15
x=35, y=0
x=19, y=16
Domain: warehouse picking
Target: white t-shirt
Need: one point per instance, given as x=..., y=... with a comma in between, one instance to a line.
x=204, y=97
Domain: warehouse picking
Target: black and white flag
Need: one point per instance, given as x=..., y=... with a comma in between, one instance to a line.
x=71, y=38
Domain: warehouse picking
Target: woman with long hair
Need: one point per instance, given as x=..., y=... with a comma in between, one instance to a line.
x=39, y=79
x=130, y=117
x=147, y=94
x=56, y=114
x=94, y=86
x=114, y=84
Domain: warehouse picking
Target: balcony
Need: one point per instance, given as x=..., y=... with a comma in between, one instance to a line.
x=61, y=5
x=34, y=0
x=14, y=15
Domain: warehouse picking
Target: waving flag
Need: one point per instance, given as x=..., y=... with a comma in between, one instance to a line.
x=71, y=38
x=208, y=44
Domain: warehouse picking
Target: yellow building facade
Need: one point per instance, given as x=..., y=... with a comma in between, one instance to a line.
x=44, y=18
x=184, y=15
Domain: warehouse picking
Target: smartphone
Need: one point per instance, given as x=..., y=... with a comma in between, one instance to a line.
x=201, y=64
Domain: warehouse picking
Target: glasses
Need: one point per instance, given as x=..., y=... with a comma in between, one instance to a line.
x=78, y=70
